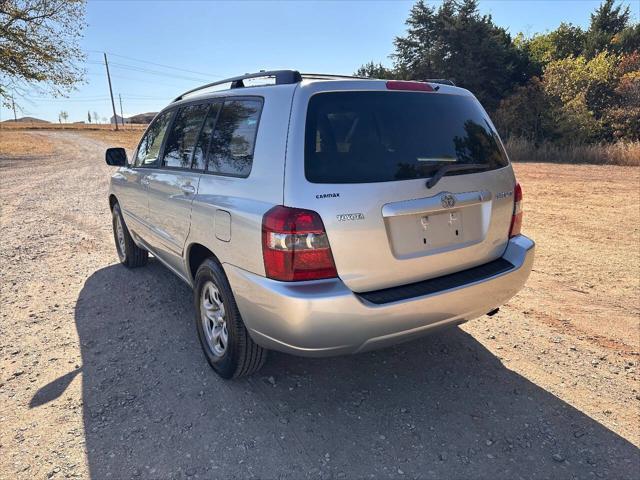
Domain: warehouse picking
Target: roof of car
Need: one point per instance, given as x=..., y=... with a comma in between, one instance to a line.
x=248, y=83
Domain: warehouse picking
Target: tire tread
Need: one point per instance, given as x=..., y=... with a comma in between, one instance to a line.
x=135, y=256
x=250, y=356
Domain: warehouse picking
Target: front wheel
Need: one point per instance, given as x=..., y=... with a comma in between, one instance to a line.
x=225, y=340
x=129, y=253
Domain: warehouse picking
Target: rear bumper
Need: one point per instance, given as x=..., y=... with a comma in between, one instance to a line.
x=324, y=318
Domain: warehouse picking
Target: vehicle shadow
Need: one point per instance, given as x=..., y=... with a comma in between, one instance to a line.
x=441, y=407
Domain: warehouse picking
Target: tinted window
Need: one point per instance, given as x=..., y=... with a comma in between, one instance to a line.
x=205, y=136
x=150, y=145
x=184, y=133
x=358, y=137
x=231, y=151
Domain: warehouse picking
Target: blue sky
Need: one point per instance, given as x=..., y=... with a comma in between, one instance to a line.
x=205, y=41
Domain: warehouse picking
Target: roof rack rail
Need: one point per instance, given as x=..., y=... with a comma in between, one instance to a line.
x=282, y=77
x=329, y=75
x=441, y=81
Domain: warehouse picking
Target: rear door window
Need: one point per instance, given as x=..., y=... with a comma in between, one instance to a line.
x=183, y=135
x=149, y=148
x=361, y=137
x=234, y=136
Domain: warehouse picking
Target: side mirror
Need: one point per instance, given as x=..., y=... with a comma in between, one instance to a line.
x=116, y=157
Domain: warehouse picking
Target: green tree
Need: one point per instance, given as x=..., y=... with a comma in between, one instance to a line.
x=458, y=43
x=628, y=40
x=529, y=113
x=39, y=45
x=562, y=42
x=610, y=30
x=585, y=89
x=623, y=116
x=373, y=70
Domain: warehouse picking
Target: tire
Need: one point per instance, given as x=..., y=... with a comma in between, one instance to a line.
x=130, y=255
x=223, y=336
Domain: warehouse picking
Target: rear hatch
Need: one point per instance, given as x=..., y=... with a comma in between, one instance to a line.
x=361, y=156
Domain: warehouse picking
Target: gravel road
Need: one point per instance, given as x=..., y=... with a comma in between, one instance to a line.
x=101, y=374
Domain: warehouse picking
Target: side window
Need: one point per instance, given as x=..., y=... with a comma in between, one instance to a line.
x=150, y=145
x=234, y=137
x=183, y=135
x=205, y=136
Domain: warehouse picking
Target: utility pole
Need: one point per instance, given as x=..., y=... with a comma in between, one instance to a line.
x=113, y=105
x=13, y=102
x=121, y=114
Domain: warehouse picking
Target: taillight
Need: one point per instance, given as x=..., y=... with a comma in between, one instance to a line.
x=295, y=245
x=516, y=220
x=408, y=85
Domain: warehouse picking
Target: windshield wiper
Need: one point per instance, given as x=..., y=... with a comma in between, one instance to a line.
x=443, y=170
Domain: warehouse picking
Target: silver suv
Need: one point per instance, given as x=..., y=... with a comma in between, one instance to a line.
x=323, y=215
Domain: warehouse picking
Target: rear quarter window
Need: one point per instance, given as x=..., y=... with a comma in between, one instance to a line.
x=234, y=137
x=361, y=137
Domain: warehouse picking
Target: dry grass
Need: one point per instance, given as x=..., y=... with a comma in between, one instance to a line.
x=23, y=144
x=67, y=126
x=621, y=153
x=124, y=138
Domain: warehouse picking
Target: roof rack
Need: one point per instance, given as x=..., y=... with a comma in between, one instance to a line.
x=282, y=77
x=287, y=77
x=441, y=81
x=329, y=76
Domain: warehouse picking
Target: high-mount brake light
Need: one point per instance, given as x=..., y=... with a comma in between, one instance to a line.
x=408, y=85
x=295, y=245
x=516, y=219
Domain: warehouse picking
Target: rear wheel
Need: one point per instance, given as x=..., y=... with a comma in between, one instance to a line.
x=225, y=340
x=129, y=253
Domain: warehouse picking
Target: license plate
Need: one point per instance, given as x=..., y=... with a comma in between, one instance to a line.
x=441, y=229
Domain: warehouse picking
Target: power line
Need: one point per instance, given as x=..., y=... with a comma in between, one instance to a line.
x=134, y=68
x=145, y=80
x=65, y=100
x=91, y=97
x=92, y=100
x=161, y=65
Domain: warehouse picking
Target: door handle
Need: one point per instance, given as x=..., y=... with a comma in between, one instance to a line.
x=188, y=189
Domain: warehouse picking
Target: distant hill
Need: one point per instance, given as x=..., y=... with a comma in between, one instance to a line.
x=27, y=120
x=139, y=118
x=143, y=117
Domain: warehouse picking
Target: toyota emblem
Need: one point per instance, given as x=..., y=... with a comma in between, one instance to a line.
x=448, y=200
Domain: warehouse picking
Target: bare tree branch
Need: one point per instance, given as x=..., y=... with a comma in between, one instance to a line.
x=39, y=45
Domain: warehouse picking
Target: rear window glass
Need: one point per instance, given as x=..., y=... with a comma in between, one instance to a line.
x=361, y=137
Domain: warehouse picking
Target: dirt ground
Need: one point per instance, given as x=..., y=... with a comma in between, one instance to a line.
x=101, y=374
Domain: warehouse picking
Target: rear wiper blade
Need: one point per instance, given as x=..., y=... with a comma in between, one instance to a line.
x=443, y=170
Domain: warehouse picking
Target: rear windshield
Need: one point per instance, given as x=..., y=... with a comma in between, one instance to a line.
x=362, y=137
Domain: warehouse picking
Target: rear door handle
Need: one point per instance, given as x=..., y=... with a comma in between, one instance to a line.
x=188, y=189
